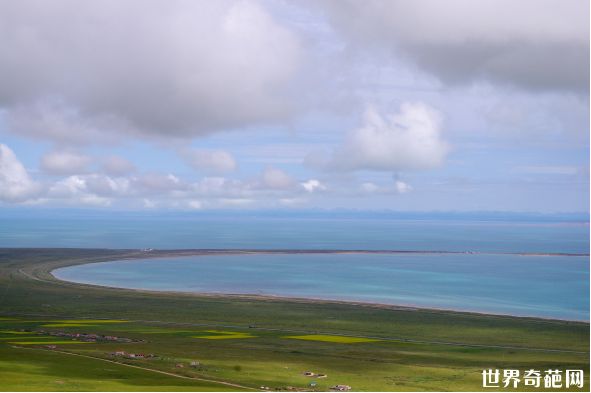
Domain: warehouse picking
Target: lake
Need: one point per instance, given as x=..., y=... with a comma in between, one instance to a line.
x=227, y=231
x=541, y=286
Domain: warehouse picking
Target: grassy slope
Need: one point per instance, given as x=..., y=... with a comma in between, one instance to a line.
x=25, y=369
x=268, y=359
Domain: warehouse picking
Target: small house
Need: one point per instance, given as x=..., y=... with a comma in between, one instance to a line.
x=341, y=388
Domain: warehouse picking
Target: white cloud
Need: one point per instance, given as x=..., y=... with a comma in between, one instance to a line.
x=156, y=67
x=313, y=185
x=68, y=187
x=534, y=44
x=167, y=191
x=75, y=190
x=369, y=187
x=108, y=186
x=15, y=182
x=402, y=187
x=408, y=140
x=65, y=163
x=209, y=161
x=96, y=184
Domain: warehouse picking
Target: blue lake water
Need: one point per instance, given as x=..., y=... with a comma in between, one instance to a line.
x=542, y=286
x=554, y=286
x=306, y=233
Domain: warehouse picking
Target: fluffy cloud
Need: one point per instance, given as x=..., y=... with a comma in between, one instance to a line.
x=209, y=161
x=68, y=187
x=107, y=186
x=534, y=44
x=273, y=187
x=313, y=185
x=74, y=190
x=157, y=67
x=402, y=187
x=65, y=163
x=92, y=189
x=369, y=187
x=408, y=140
x=274, y=178
x=15, y=183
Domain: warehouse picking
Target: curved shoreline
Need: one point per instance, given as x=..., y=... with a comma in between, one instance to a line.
x=152, y=254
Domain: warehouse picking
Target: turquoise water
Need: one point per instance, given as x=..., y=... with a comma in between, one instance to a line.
x=556, y=286
x=305, y=233
x=542, y=286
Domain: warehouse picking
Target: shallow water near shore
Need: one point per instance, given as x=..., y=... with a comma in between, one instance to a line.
x=538, y=286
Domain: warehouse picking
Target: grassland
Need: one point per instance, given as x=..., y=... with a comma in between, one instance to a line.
x=242, y=343
x=332, y=338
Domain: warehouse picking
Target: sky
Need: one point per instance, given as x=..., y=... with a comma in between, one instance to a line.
x=405, y=105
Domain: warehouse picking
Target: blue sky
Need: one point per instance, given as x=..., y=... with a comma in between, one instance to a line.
x=369, y=105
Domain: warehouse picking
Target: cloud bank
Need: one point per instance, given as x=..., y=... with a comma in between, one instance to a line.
x=531, y=44
x=240, y=91
x=160, y=67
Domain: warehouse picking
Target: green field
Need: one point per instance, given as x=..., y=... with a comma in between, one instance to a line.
x=244, y=343
x=333, y=339
x=223, y=335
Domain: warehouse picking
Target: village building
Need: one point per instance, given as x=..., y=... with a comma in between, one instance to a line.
x=341, y=388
